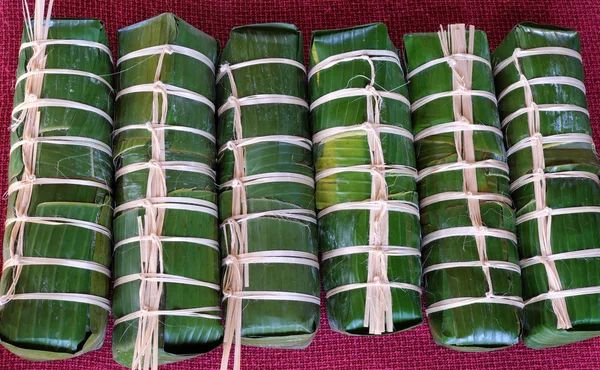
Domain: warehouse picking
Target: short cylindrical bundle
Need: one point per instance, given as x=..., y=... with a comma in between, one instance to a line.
x=54, y=291
x=554, y=181
x=167, y=270
x=470, y=260
x=266, y=202
x=366, y=181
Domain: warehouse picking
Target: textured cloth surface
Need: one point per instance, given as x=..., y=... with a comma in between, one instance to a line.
x=412, y=349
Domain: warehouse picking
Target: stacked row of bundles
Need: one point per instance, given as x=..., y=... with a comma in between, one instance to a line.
x=220, y=174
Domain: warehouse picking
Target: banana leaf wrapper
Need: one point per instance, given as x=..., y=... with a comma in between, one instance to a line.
x=265, y=323
x=179, y=337
x=571, y=232
x=340, y=229
x=41, y=330
x=481, y=326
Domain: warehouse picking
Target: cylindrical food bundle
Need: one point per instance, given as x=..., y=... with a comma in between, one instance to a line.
x=366, y=181
x=166, y=257
x=554, y=181
x=266, y=200
x=57, y=245
x=470, y=260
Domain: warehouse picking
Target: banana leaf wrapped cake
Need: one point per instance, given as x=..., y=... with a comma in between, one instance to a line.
x=470, y=260
x=167, y=294
x=366, y=181
x=266, y=200
x=57, y=245
x=554, y=181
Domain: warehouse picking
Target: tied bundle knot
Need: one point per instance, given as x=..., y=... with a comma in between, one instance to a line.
x=224, y=68
x=4, y=299
x=160, y=87
x=153, y=163
x=228, y=293
x=146, y=203
x=231, y=145
x=155, y=238
x=237, y=183
x=452, y=62
x=234, y=101
x=515, y=55
x=231, y=260
x=29, y=98
x=29, y=178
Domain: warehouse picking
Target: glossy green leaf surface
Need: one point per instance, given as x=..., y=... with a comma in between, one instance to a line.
x=571, y=232
x=266, y=323
x=469, y=327
x=179, y=337
x=46, y=329
x=340, y=229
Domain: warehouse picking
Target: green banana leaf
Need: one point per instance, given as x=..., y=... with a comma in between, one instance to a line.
x=265, y=323
x=466, y=328
x=572, y=232
x=346, y=310
x=41, y=330
x=179, y=337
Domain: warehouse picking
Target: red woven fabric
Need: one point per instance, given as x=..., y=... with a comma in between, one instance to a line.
x=413, y=349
